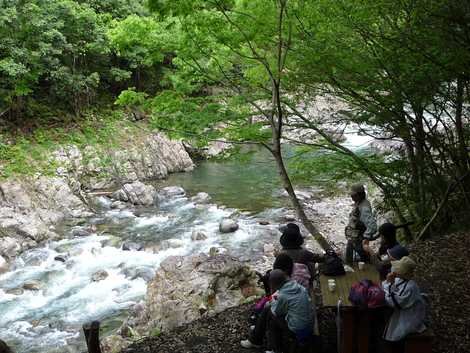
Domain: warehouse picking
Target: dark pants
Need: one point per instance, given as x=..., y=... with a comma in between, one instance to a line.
x=258, y=334
x=392, y=347
x=278, y=333
x=355, y=245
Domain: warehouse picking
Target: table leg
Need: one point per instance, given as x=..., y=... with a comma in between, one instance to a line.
x=347, y=331
x=363, y=323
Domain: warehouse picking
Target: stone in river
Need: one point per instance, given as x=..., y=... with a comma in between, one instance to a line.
x=198, y=236
x=131, y=246
x=228, y=225
x=172, y=191
x=99, y=275
x=80, y=233
x=32, y=285
x=60, y=258
x=201, y=197
x=15, y=291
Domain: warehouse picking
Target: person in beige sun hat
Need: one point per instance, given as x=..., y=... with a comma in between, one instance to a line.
x=404, y=296
x=404, y=268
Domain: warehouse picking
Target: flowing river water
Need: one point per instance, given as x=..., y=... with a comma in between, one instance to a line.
x=49, y=319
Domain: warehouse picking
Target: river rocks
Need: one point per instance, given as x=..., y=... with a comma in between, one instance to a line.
x=137, y=193
x=29, y=206
x=3, y=265
x=32, y=285
x=289, y=218
x=99, y=275
x=15, y=291
x=147, y=274
x=118, y=205
x=198, y=235
x=131, y=246
x=185, y=284
x=228, y=225
x=60, y=258
x=171, y=191
x=9, y=247
x=201, y=197
x=113, y=344
x=268, y=249
x=82, y=232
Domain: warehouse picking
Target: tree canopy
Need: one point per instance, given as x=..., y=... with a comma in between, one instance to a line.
x=250, y=71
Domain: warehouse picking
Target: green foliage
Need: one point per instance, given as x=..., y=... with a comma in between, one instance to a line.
x=57, y=53
x=137, y=39
x=155, y=332
x=28, y=155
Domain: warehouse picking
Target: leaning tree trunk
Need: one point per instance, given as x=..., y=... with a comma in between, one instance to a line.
x=295, y=201
x=276, y=128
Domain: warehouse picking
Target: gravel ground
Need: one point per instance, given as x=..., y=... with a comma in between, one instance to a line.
x=443, y=265
x=221, y=333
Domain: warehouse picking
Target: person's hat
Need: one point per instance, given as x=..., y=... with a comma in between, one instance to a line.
x=291, y=237
x=405, y=266
x=387, y=229
x=397, y=252
x=357, y=188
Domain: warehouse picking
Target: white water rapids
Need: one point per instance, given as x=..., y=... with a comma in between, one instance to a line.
x=50, y=319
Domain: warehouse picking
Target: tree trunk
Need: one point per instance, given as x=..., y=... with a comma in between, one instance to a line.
x=296, y=203
x=464, y=161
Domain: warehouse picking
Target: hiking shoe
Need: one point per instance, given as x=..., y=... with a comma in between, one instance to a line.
x=248, y=344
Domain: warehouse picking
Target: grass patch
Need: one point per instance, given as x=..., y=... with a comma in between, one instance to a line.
x=23, y=154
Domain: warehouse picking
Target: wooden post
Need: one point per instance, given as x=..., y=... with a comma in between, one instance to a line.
x=92, y=336
x=362, y=332
x=347, y=327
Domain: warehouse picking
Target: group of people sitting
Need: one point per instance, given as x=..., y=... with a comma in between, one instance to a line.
x=287, y=315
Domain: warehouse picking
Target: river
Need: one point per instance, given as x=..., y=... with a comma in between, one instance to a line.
x=49, y=319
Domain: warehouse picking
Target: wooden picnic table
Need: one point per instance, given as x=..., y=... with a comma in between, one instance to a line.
x=354, y=322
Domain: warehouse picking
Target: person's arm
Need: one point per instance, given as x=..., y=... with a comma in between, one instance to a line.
x=279, y=306
x=400, y=296
x=312, y=257
x=368, y=218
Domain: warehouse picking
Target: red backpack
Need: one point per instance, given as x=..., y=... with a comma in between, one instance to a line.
x=367, y=294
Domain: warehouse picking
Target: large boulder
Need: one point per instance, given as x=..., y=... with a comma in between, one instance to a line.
x=137, y=193
x=228, y=225
x=185, y=284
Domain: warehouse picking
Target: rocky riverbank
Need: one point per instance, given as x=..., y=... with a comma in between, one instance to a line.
x=441, y=273
x=32, y=206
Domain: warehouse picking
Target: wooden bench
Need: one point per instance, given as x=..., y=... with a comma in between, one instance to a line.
x=419, y=342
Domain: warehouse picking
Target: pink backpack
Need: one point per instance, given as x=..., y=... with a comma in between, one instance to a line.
x=301, y=274
x=367, y=294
